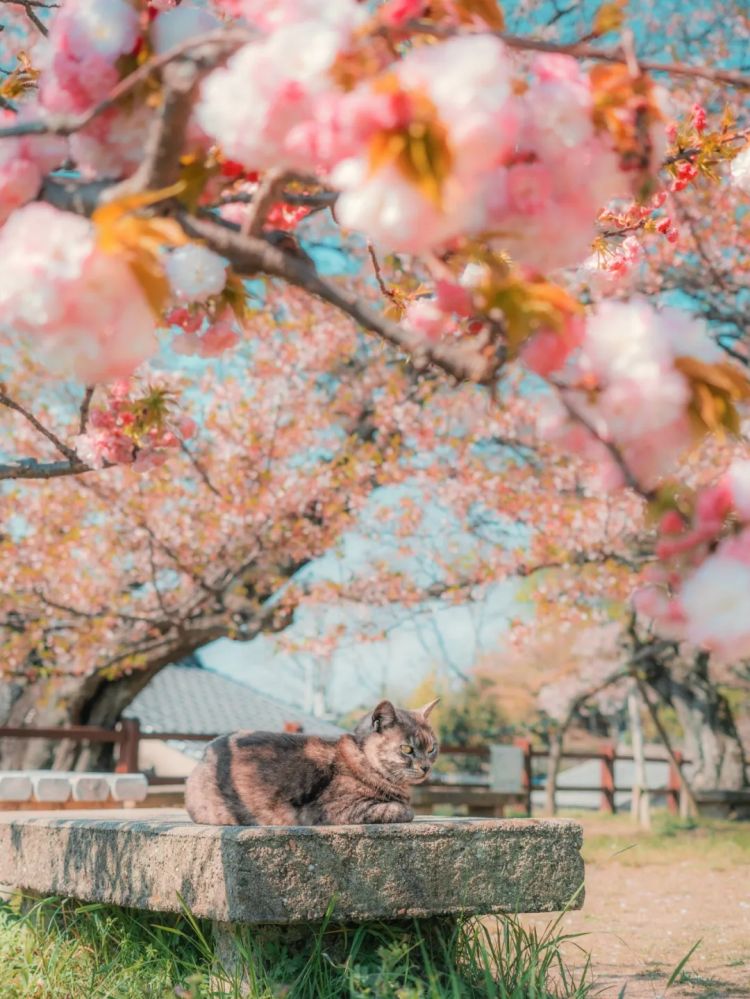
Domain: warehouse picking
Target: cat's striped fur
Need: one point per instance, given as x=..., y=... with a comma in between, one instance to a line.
x=265, y=778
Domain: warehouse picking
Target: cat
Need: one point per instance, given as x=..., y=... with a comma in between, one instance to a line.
x=275, y=779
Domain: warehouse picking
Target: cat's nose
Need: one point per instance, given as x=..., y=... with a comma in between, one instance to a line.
x=425, y=767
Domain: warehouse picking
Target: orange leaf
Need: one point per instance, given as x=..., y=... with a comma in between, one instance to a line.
x=485, y=10
x=609, y=17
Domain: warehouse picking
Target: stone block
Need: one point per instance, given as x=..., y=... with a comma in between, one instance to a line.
x=290, y=875
x=51, y=786
x=89, y=787
x=15, y=786
x=127, y=787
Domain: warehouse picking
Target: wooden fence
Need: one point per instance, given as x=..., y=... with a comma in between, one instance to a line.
x=127, y=736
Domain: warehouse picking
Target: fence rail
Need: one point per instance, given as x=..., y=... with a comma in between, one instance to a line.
x=127, y=736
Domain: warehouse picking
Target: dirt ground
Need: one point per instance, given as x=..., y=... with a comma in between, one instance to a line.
x=647, y=905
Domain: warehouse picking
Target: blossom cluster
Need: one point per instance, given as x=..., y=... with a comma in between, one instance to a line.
x=83, y=307
x=24, y=162
x=438, y=144
x=629, y=386
x=700, y=589
x=132, y=429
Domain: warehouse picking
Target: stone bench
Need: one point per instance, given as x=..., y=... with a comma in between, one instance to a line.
x=281, y=875
x=45, y=789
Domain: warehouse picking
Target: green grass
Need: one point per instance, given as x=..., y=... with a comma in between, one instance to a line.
x=718, y=843
x=60, y=950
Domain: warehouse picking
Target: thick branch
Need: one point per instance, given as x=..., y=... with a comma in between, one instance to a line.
x=475, y=360
x=160, y=166
x=30, y=468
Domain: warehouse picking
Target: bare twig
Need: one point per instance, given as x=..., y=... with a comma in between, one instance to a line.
x=28, y=6
x=581, y=50
x=614, y=451
x=85, y=406
x=379, y=274
x=197, y=465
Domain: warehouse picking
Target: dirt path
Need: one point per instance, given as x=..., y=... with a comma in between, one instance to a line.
x=650, y=895
x=641, y=920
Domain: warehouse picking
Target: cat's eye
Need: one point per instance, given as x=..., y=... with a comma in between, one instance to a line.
x=432, y=749
x=407, y=750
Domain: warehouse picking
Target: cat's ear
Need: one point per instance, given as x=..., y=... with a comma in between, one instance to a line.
x=383, y=716
x=425, y=711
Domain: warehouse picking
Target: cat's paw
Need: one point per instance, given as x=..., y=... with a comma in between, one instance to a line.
x=394, y=811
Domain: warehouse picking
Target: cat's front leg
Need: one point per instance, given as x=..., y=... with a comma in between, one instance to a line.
x=387, y=811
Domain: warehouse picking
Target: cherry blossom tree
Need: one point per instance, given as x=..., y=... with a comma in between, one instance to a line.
x=159, y=160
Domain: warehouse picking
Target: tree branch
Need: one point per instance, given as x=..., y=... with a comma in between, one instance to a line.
x=63, y=448
x=160, y=166
x=475, y=360
x=581, y=50
x=207, y=52
x=627, y=473
x=85, y=406
x=30, y=468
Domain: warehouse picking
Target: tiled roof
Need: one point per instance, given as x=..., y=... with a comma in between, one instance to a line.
x=187, y=697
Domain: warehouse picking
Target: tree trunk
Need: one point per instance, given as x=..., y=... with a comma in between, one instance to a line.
x=640, y=804
x=80, y=700
x=711, y=742
x=553, y=768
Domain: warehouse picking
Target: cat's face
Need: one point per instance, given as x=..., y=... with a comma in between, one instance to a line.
x=399, y=744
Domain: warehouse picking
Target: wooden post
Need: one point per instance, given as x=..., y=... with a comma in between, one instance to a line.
x=127, y=758
x=608, y=779
x=674, y=785
x=525, y=746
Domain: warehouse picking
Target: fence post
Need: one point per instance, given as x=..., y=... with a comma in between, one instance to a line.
x=525, y=746
x=608, y=779
x=674, y=785
x=127, y=757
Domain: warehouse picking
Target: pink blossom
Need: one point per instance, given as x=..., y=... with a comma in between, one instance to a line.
x=425, y=316
x=187, y=427
x=716, y=602
x=84, y=307
x=452, y=297
x=394, y=13
x=740, y=170
x=271, y=16
x=468, y=82
x=195, y=273
x=251, y=106
x=112, y=144
x=85, y=41
x=699, y=117
x=24, y=161
x=218, y=338
x=549, y=349
x=737, y=482
x=101, y=447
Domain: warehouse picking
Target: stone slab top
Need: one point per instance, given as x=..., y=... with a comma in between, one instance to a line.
x=151, y=858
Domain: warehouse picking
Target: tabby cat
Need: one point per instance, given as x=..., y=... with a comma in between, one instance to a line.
x=265, y=778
